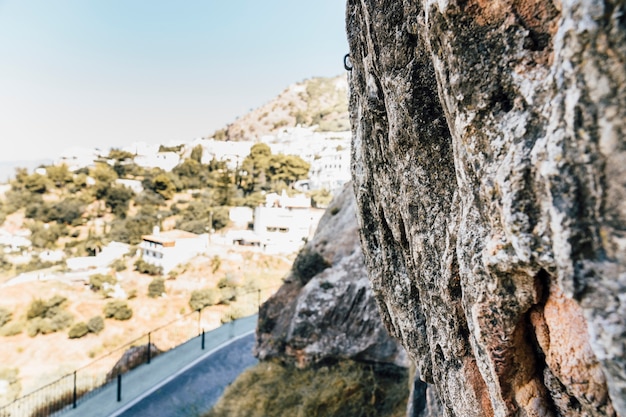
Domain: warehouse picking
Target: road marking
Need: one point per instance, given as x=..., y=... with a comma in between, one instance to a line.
x=177, y=374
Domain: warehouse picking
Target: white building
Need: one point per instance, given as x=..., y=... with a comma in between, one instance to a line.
x=284, y=223
x=108, y=254
x=233, y=153
x=172, y=248
x=164, y=160
x=330, y=169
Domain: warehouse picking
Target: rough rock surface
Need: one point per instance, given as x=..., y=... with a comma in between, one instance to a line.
x=325, y=311
x=489, y=166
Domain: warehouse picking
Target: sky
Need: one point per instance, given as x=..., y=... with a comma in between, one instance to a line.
x=105, y=73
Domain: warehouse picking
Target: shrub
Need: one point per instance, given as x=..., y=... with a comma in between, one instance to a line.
x=118, y=265
x=348, y=388
x=12, y=329
x=55, y=320
x=45, y=309
x=156, y=288
x=5, y=316
x=203, y=298
x=118, y=310
x=227, y=295
x=97, y=281
x=95, y=324
x=79, y=330
x=309, y=263
x=147, y=268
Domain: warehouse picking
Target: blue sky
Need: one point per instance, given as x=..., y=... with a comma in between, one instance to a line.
x=109, y=72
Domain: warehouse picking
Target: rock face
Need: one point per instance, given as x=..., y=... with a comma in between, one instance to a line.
x=489, y=166
x=325, y=311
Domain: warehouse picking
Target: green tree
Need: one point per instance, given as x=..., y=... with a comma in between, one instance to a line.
x=287, y=168
x=164, y=186
x=36, y=183
x=254, y=167
x=120, y=155
x=196, y=153
x=117, y=199
x=104, y=176
x=60, y=175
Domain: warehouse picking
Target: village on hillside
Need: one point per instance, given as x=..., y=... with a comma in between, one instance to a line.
x=282, y=216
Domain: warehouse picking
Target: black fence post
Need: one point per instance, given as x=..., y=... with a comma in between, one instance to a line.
x=149, y=339
x=119, y=387
x=199, y=319
x=75, y=396
x=202, y=339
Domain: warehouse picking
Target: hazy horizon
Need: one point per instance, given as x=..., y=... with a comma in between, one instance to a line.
x=86, y=73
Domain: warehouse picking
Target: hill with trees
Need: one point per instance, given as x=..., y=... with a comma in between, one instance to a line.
x=319, y=101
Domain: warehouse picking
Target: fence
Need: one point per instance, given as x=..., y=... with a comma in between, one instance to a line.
x=71, y=389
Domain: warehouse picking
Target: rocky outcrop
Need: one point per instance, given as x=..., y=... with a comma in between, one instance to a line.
x=325, y=310
x=489, y=166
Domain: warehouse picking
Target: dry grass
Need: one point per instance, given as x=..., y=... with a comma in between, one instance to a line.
x=42, y=359
x=345, y=389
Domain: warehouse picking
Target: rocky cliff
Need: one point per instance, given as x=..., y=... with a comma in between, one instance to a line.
x=489, y=166
x=325, y=311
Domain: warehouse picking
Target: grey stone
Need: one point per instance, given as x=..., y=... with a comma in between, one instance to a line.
x=332, y=315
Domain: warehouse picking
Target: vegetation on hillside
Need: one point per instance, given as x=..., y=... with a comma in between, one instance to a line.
x=344, y=389
x=81, y=211
x=320, y=102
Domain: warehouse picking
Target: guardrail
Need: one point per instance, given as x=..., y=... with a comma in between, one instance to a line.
x=72, y=389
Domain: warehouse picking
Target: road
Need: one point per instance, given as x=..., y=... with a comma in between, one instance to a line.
x=195, y=391
x=185, y=381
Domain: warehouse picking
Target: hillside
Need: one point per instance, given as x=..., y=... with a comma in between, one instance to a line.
x=321, y=102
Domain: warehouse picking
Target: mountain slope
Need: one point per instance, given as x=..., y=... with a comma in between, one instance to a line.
x=321, y=102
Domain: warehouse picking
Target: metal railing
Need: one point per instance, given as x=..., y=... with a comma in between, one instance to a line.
x=73, y=388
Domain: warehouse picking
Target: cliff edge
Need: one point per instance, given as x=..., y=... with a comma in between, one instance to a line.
x=489, y=166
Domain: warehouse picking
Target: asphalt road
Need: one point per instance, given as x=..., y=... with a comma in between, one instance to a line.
x=195, y=391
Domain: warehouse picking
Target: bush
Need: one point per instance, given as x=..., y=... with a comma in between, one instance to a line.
x=203, y=298
x=5, y=316
x=98, y=281
x=156, y=288
x=78, y=330
x=12, y=329
x=55, y=321
x=345, y=389
x=227, y=295
x=118, y=310
x=118, y=265
x=45, y=309
x=95, y=324
x=147, y=268
x=309, y=263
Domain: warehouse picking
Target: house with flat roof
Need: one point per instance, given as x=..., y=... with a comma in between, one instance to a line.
x=171, y=248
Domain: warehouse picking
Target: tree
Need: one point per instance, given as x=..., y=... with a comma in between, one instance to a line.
x=164, y=186
x=60, y=175
x=104, y=176
x=117, y=199
x=196, y=153
x=36, y=183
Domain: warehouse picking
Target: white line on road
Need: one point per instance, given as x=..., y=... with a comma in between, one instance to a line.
x=176, y=375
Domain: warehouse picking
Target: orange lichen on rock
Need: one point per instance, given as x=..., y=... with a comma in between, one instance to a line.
x=561, y=332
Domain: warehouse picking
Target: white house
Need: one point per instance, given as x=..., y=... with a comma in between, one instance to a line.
x=330, y=169
x=111, y=252
x=284, y=223
x=171, y=248
x=164, y=160
x=233, y=153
